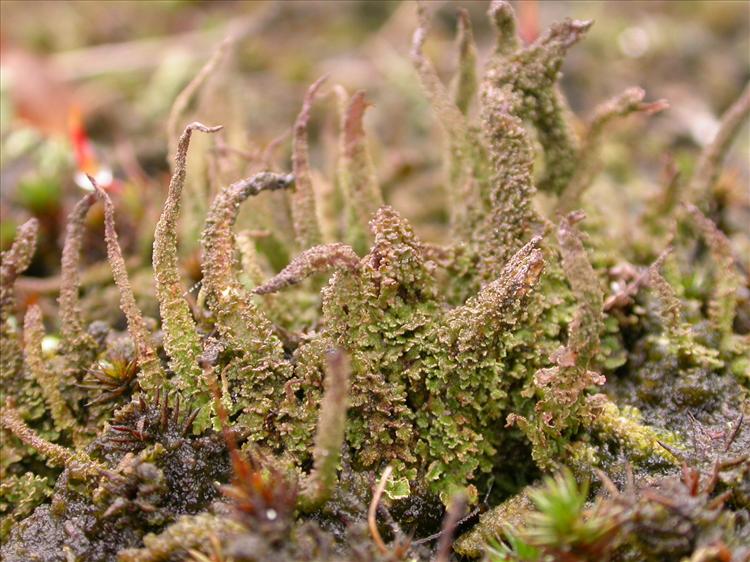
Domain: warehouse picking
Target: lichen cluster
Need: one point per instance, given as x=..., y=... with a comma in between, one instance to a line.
x=327, y=410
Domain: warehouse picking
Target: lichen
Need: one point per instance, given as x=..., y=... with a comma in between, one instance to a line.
x=381, y=383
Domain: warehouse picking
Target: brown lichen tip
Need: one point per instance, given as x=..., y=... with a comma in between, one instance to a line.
x=304, y=215
x=524, y=268
x=568, y=32
x=152, y=374
x=354, y=130
x=315, y=260
x=494, y=307
x=628, y=102
x=503, y=18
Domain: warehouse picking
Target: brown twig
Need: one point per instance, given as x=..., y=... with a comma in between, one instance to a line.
x=451, y=521
x=372, y=511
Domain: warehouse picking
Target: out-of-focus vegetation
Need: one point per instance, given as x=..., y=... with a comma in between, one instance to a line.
x=123, y=65
x=535, y=337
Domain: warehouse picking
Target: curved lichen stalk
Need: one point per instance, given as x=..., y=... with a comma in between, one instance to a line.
x=317, y=259
x=77, y=461
x=78, y=345
x=258, y=370
x=13, y=262
x=727, y=280
x=588, y=322
x=152, y=374
x=237, y=317
x=679, y=335
x=669, y=306
x=304, y=214
x=181, y=340
x=562, y=406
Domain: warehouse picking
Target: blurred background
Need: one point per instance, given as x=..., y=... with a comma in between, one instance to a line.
x=89, y=87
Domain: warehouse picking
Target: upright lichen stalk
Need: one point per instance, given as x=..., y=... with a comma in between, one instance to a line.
x=152, y=373
x=181, y=340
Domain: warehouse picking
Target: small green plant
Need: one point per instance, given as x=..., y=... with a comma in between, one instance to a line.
x=562, y=525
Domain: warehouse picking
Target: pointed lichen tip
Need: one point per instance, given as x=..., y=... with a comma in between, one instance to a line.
x=198, y=126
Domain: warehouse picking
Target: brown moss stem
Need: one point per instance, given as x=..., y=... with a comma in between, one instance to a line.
x=373, y=510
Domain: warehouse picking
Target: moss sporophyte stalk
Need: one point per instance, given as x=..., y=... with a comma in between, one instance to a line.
x=333, y=410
